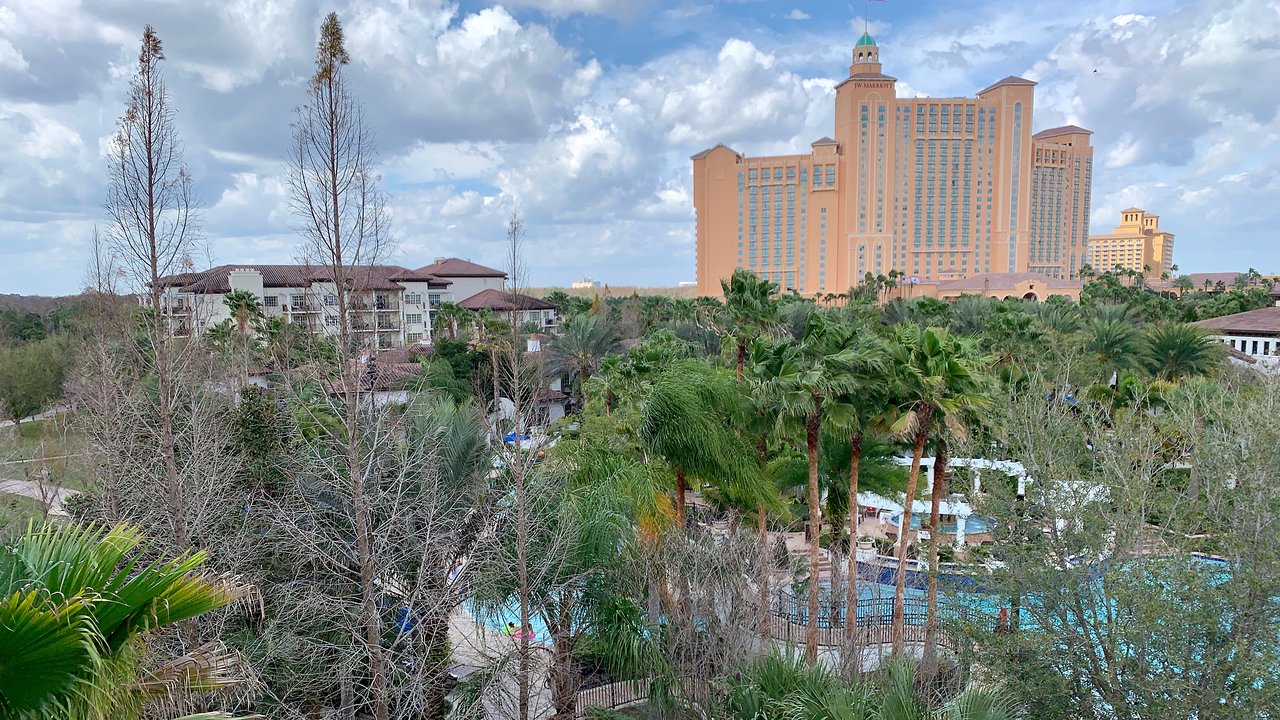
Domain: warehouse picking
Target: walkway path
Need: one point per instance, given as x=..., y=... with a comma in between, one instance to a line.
x=38, y=416
x=51, y=496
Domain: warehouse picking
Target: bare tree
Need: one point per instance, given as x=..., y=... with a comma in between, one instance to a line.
x=343, y=222
x=152, y=234
x=423, y=476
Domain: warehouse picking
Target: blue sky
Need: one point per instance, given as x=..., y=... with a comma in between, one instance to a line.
x=582, y=114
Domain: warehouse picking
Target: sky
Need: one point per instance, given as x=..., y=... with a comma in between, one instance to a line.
x=582, y=115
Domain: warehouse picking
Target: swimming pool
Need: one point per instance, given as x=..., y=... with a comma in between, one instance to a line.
x=511, y=614
x=973, y=525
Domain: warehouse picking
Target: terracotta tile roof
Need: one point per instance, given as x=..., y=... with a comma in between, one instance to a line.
x=871, y=76
x=497, y=300
x=1226, y=278
x=457, y=267
x=823, y=141
x=1064, y=130
x=216, y=280
x=1263, y=321
x=1007, y=80
x=1243, y=357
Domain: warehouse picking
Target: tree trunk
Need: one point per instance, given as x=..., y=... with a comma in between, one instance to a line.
x=17, y=428
x=851, y=594
x=762, y=532
x=564, y=674
x=762, y=529
x=681, y=490
x=812, y=424
x=931, y=616
x=904, y=529
x=742, y=359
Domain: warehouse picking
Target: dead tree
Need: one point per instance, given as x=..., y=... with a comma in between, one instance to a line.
x=343, y=223
x=152, y=234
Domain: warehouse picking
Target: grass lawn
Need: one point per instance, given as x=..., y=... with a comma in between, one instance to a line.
x=16, y=512
x=52, y=444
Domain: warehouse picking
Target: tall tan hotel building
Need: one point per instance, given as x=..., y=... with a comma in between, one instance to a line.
x=937, y=188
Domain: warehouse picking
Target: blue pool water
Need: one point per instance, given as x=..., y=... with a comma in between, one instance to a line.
x=511, y=614
x=974, y=525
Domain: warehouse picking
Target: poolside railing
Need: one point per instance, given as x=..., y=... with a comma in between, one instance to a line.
x=613, y=696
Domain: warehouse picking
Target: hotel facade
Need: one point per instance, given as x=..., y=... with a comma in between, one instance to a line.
x=1136, y=244
x=388, y=306
x=935, y=188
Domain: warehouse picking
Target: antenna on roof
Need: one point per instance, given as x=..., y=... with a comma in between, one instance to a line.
x=866, y=17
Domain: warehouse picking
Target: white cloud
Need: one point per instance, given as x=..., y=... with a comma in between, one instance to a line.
x=798, y=14
x=615, y=8
x=10, y=57
x=480, y=113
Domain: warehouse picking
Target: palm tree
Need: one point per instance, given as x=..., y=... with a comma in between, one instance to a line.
x=866, y=410
x=220, y=335
x=1112, y=339
x=446, y=317
x=1172, y=351
x=77, y=602
x=245, y=308
x=939, y=380
x=811, y=377
x=686, y=422
x=750, y=311
x=583, y=342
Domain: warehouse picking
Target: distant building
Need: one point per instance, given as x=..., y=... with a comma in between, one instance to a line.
x=586, y=283
x=1255, y=333
x=527, y=309
x=465, y=277
x=389, y=305
x=1022, y=286
x=937, y=188
x=1136, y=244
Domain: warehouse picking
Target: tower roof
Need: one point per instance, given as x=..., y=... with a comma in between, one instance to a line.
x=866, y=39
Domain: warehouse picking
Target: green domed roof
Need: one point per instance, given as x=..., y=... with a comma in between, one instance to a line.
x=866, y=39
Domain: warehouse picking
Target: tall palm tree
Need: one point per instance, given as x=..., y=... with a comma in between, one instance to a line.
x=750, y=311
x=245, y=308
x=1172, y=351
x=939, y=380
x=583, y=342
x=685, y=421
x=76, y=603
x=811, y=377
x=865, y=410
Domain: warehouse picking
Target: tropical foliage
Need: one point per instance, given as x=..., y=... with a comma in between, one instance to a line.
x=78, y=603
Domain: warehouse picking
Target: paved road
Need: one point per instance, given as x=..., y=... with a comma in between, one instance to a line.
x=53, y=497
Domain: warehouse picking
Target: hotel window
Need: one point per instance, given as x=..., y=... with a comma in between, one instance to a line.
x=413, y=299
x=331, y=300
x=271, y=301
x=413, y=318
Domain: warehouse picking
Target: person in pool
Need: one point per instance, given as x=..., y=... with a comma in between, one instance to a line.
x=515, y=632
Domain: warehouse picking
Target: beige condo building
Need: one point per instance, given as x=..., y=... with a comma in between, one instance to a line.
x=936, y=188
x=1137, y=244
